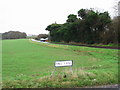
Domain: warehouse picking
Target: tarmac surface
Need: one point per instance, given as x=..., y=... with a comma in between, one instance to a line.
x=80, y=45
x=105, y=86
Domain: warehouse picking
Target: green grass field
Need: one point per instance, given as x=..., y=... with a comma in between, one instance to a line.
x=28, y=64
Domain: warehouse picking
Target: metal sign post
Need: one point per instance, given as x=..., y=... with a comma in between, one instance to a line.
x=53, y=71
x=71, y=69
x=61, y=63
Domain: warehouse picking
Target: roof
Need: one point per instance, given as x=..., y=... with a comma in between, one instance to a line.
x=44, y=39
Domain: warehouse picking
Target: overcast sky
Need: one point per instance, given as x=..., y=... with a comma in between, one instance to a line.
x=33, y=16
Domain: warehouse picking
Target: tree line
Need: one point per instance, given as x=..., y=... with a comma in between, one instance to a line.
x=89, y=27
x=13, y=35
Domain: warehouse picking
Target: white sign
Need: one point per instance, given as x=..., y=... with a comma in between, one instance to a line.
x=63, y=63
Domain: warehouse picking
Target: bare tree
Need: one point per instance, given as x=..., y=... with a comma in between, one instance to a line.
x=116, y=7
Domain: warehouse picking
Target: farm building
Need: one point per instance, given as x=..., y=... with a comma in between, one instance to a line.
x=43, y=39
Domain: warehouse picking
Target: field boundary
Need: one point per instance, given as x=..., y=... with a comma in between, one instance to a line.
x=106, y=47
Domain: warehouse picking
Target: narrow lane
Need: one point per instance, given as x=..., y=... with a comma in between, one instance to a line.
x=80, y=45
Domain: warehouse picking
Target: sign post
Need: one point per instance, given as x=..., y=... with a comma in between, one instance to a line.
x=61, y=63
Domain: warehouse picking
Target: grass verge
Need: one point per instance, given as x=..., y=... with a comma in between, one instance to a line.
x=28, y=64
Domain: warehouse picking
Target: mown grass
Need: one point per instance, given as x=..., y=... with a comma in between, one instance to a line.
x=28, y=64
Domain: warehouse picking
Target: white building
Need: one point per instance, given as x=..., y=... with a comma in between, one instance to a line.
x=43, y=39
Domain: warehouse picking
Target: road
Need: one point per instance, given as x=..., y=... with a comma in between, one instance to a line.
x=80, y=45
x=104, y=86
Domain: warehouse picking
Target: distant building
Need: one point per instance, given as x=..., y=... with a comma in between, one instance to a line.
x=43, y=39
x=0, y=36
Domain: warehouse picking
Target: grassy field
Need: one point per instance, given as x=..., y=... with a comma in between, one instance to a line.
x=28, y=64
